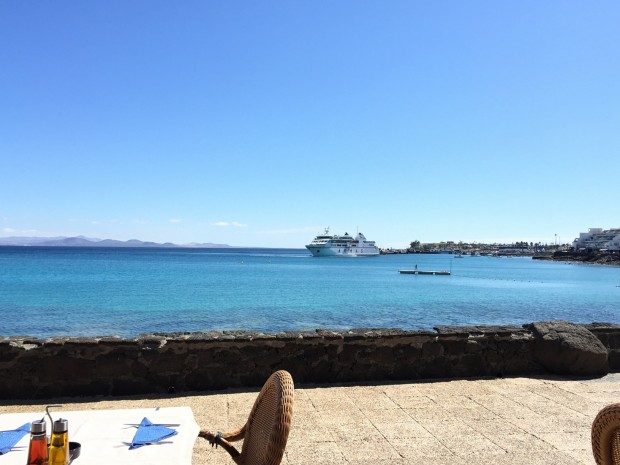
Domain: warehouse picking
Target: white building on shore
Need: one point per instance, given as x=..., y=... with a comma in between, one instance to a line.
x=598, y=239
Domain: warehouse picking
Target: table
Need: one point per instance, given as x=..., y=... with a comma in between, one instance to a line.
x=103, y=434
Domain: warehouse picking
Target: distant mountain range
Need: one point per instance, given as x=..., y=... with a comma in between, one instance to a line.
x=81, y=241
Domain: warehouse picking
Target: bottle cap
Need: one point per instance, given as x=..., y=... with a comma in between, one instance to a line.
x=60, y=426
x=37, y=427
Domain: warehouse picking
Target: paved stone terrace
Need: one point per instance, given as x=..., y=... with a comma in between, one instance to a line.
x=502, y=421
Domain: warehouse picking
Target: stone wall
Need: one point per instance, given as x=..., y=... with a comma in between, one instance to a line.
x=609, y=335
x=32, y=368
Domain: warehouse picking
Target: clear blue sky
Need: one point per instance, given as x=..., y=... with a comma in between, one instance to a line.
x=259, y=123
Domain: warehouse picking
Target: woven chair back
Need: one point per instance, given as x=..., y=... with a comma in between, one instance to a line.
x=606, y=436
x=269, y=422
x=615, y=447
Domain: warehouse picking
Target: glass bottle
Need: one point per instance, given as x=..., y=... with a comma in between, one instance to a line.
x=59, y=443
x=37, y=450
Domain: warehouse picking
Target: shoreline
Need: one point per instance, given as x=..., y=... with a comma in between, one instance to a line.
x=253, y=334
x=585, y=257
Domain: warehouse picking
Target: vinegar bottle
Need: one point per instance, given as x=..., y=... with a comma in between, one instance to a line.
x=37, y=450
x=59, y=444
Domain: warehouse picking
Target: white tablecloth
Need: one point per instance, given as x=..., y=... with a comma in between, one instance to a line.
x=104, y=434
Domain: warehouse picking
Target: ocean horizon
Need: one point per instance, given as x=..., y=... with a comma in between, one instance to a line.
x=70, y=291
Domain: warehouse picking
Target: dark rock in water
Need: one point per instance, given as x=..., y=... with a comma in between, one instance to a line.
x=583, y=256
x=565, y=348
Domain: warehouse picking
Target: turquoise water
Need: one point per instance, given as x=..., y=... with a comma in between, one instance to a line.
x=69, y=291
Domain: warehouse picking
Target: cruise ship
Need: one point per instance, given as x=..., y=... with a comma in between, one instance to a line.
x=327, y=245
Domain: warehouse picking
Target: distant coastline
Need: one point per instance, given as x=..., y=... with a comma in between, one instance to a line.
x=82, y=241
x=594, y=257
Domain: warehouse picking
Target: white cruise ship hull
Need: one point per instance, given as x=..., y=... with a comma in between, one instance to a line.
x=343, y=252
x=326, y=245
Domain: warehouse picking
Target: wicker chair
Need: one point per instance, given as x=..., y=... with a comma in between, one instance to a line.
x=606, y=436
x=266, y=431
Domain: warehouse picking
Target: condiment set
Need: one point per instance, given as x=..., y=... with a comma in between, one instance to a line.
x=55, y=451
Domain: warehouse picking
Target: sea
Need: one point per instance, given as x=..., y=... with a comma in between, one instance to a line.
x=59, y=291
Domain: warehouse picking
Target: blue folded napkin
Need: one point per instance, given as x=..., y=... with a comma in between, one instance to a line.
x=9, y=438
x=149, y=433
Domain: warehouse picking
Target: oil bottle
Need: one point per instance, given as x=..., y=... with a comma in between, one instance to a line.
x=59, y=443
x=37, y=450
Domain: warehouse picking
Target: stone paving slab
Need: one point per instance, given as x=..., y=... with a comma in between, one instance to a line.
x=517, y=421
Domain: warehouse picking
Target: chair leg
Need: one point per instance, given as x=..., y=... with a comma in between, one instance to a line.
x=218, y=440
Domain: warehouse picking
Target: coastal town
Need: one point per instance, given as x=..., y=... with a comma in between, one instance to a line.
x=519, y=248
x=598, y=245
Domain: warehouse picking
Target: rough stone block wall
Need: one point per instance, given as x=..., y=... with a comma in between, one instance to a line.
x=58, y=367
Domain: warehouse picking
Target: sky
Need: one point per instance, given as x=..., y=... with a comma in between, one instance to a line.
x=261, y=123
